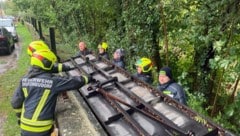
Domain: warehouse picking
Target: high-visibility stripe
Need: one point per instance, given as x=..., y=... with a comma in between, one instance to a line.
x=35, y=129
x=36, y=123
x=60, y=67
x=23, y=110
x=18, y=110
x=25, y=92
x=167, y=92
x=162, y=73
x=41, y=104
x=85, y=79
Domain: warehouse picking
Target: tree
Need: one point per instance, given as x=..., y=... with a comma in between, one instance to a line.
x=199, y=40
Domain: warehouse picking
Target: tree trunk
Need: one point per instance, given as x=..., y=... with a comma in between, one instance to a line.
x=164, y=32
x=231, y=98
x=218, y=88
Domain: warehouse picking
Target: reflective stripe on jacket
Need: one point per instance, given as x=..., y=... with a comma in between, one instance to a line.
x=37, y=96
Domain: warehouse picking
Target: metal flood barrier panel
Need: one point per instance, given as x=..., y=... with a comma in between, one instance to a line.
x=126, y=106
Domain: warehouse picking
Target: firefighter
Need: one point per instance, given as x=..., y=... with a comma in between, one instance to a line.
x=36, y=45
x=35, y=98
x=168, y=86
x=58, y=67
x=144, y=70
x=83, y=50
x=118, y=58
x=102, y=50
x=39, y=45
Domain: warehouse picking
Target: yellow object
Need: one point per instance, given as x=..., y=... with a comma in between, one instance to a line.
x=104, y=45
x=34, y=128
x=44, y=59
x=36, y=45
x=145, y=64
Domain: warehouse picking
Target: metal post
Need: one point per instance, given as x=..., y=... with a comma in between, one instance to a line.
x=40, y=30
x=52, y=40
x=35, y=24
x=32, y=22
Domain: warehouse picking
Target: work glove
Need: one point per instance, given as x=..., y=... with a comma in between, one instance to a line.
x=67, y=68
x=72, y=68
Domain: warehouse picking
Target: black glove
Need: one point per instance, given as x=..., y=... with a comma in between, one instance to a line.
x=72, y=68
x=67, y=68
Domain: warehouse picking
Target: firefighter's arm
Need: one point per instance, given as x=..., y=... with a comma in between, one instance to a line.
x=59, y=67
x=181, y=95
x=70, y=83
x=87, y=78
x=55, y=68
x=17, y=102
x=63, y=67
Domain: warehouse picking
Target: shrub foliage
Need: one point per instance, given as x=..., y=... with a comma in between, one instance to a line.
x=198, y=39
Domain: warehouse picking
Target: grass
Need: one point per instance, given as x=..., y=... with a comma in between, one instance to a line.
x=10, y=80
x=65, y=51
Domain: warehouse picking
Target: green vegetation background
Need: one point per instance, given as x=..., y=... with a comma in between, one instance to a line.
x=199, y=40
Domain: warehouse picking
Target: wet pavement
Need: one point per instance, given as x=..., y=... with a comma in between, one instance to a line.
x=9, y=61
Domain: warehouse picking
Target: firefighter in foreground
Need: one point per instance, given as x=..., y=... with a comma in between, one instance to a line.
x=57, y=67
x=144, y=70
x=40, y=45
x=35, y=97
